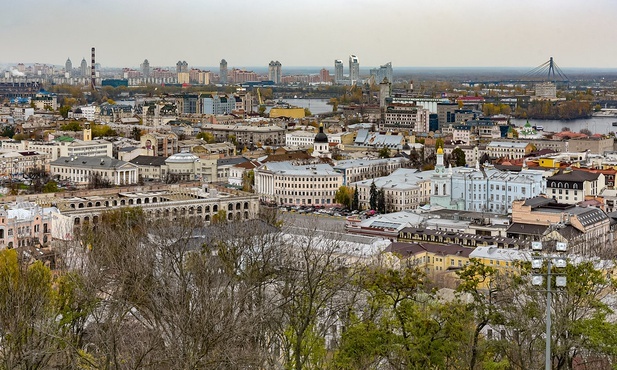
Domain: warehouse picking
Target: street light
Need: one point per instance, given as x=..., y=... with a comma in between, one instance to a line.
x=537, y=279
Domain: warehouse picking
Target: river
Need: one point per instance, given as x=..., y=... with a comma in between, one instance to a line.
x=597, y=125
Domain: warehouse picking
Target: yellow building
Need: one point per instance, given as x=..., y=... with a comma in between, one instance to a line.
x=549, y=162
x=505, y=261
x=277, y=112
x=439, y=261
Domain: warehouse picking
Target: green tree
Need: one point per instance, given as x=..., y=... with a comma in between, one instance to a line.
x=208, y=137
x=381, y=201
x=64, y=111
x=373, y=196
x=438, y=143
x=72, y=126
x=248, y=181
x=344, y=196
x=220, y=217
x=355, y=202
x=458, y=156
x=384, y=152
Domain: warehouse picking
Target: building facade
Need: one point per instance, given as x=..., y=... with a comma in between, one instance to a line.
x=275, y=72
x=302, y=185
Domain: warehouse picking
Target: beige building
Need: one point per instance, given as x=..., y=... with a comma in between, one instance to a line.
x=19, y=163
x=306, y=185
x=82, y=170
x=247, y=134
x=404, y=189
x=508, y=149
x=572, y=186
x=159, y=144
x=585, y=229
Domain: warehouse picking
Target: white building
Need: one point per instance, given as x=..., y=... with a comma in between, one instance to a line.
x=404, y=189
x=508, y=149
x=301, y=139
x=289, y=184
x=82, y=170
x=354, y=170
x=571, y=187
x=482, y=189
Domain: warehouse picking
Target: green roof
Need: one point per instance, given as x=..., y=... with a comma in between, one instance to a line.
x=65, y=139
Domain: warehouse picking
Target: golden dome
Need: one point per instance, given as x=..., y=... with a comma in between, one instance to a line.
x=440, y=150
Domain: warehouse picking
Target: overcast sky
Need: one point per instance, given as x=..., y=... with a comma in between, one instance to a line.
x=427, y=33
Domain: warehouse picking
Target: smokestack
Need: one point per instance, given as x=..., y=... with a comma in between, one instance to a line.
x=93, y=72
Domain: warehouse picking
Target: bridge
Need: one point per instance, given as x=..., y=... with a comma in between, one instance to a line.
x=548, y=71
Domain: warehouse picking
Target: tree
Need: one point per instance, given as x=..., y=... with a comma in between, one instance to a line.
x=438, y=143
x=64, y=111
x=344, y=196
x=136, y=133
x=373, y=196
x=381, y=201
x=458, y=156
x=72, y=126
x=208, y=137
x=355, y=202
x=248, y=181
x=384, y=152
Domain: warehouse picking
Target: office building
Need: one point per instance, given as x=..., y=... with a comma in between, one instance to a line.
x=274, y=72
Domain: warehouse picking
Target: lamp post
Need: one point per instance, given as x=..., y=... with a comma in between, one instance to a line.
x=537, y=262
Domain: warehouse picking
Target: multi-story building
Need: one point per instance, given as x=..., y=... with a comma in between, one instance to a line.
x=407, y=116
x=446, y=114
x=223, y=72
x=239, y=76
x=439, y=261
x=83, y=69
x=145, y=69
x=217, y=104
x=20, y=163
x=403, y=189
x=300, y=138
x=546, y=90
x=25, y=224
x=62, y=147
x=480, y=189
x=84, y=170
x=572, y=186
x=360, y=169
x=68, y=68
x=289, y=184
x=381, y=73
x=354, y=70
x=274, y=72
x=338, y=72
x=585, y=229
x=508, y=149
x=246, y=134
x=182, y=67
x=324, y=76
x=159, y=144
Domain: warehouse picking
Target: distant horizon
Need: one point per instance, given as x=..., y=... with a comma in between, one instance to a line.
x=317, y=67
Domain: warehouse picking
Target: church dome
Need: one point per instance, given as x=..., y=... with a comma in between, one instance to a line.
x=321, y=137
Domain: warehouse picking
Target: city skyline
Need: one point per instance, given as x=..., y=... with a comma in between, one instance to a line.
x=475, y=33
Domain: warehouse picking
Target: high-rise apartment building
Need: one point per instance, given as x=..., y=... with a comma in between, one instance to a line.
x=274, y=72
x=68, y=67
x=324, y=75
x=182, y=67
x=338, y=71
x=354, y=69
x=223, y=72
x=83, y=69
x=145, y=68
x=384, y=71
